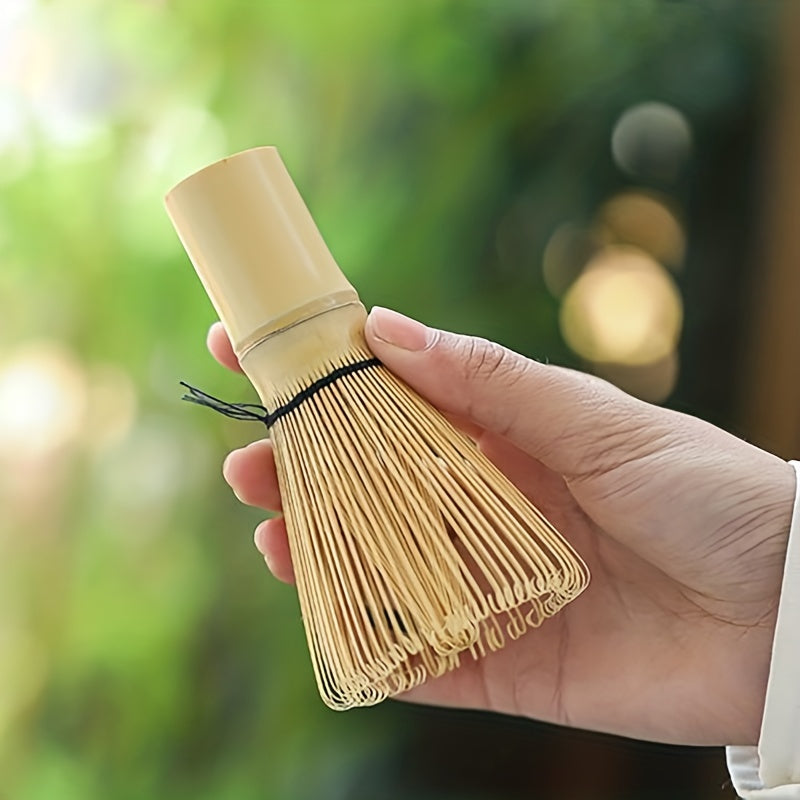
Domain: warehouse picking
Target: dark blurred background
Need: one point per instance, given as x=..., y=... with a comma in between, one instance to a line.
x=608, y=184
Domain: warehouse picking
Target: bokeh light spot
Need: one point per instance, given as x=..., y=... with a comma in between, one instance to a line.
x=652, y=141
x=624, y=308
x=42, y=399
x=644, y=220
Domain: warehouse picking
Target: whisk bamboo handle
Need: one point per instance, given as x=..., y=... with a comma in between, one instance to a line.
x=255, y=246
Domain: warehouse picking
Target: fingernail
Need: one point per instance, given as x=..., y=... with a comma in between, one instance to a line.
x=398, y=330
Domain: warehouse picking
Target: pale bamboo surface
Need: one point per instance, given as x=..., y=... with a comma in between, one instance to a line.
x=254, y=244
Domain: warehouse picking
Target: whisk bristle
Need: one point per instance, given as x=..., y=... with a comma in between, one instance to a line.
x=410, y=547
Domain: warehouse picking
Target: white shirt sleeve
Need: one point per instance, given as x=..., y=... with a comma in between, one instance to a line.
x=771, y=771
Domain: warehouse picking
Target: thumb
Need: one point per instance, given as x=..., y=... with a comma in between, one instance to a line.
x=573, y=423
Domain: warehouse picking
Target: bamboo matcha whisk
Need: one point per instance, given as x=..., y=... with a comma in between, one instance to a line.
x=409, y=547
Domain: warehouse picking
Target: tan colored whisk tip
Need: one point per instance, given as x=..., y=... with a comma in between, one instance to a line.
x=412, y=551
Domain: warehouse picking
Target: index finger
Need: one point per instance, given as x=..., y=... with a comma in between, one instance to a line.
x=220, y=347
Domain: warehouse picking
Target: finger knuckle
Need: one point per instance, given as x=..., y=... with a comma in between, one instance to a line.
x=485, y=360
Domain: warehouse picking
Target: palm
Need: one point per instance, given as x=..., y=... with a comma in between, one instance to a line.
x=624, y=656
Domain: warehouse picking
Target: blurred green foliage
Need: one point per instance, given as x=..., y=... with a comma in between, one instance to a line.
x=144, y=652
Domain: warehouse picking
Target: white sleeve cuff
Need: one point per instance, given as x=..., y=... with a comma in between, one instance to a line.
x=772, y=770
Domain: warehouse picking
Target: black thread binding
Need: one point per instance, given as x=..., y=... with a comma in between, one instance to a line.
x=255, y=413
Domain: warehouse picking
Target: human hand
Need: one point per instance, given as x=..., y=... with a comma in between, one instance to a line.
x=683, y=527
